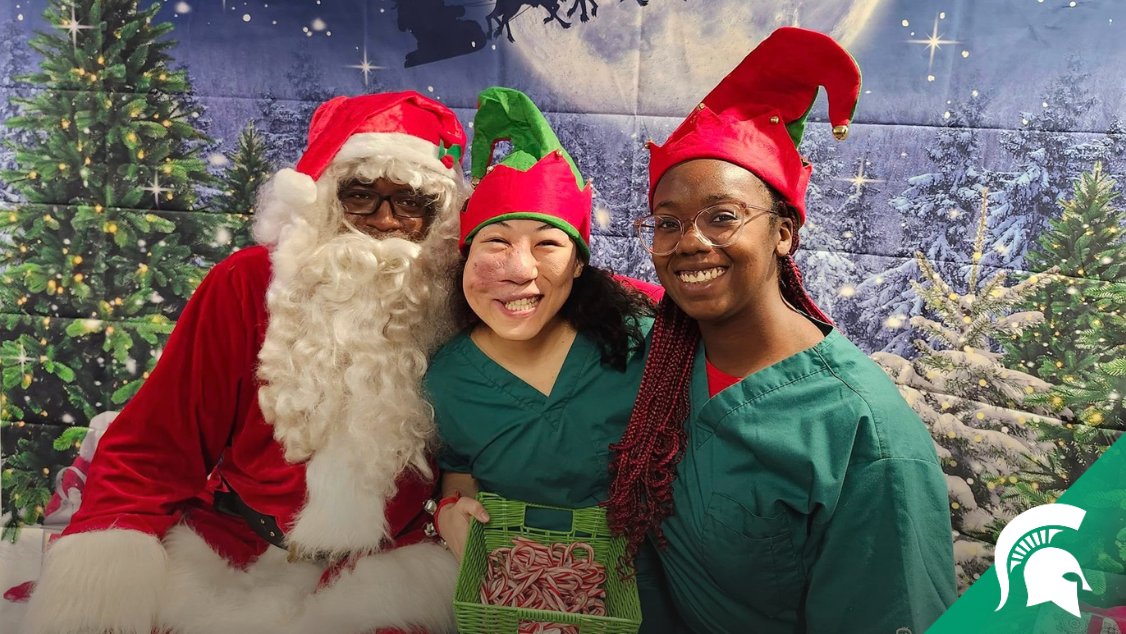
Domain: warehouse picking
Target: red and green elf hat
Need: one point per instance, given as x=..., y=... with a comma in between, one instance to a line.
x=756, y=116
x=536, y=181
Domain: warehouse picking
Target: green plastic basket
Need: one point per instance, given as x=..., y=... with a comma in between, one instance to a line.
x=506, y=521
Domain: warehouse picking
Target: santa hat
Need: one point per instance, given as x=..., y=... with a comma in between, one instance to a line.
x=538, y=179
x=402, y=125
x=756, y=116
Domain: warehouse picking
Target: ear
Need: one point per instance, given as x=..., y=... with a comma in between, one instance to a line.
x=578, y=265
x=785, y=236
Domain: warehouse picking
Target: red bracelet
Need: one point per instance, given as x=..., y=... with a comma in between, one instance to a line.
x=443, y=504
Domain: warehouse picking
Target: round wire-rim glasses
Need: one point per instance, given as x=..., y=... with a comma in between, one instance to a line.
x=716, y=233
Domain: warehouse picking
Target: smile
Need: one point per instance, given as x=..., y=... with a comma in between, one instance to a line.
x=699, y=277
x=524, y=304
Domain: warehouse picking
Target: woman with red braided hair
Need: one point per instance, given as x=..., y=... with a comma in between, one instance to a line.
x=791, y=487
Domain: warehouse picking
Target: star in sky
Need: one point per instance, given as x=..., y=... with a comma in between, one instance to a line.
x=156, y=189
x=73, y=26
x=365, y=66
x=22, y=358
x=933, y=42
x=859, y=180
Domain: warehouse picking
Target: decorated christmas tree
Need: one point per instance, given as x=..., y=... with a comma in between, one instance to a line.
x=29, y=475
x=94, y=175
x=238, y=188
x=1080, y=346
x=1082, y=305
x=979, y=412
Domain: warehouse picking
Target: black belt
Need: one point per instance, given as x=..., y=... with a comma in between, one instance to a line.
x=265, y=526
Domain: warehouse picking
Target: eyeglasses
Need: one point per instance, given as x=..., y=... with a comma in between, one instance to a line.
x=717, y=226
x=407, y=204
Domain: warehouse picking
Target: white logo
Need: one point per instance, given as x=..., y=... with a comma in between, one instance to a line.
x=1025, y=541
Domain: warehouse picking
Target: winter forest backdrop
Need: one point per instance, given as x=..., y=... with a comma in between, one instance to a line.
x=968, y=235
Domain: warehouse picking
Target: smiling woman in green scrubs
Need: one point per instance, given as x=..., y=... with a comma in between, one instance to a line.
x=792, y=487
x=531, y=394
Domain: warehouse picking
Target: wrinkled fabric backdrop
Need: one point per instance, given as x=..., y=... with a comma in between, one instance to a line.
x=966, y=235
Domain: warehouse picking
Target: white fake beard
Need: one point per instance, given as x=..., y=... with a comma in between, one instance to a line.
x=351, y=324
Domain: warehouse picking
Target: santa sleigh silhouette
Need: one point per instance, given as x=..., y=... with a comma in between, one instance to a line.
x=505, y=10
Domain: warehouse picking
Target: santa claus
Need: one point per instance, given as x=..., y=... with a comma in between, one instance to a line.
x=271, y=475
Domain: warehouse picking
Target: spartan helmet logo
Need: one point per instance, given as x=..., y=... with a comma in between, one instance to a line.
x=1025, y=541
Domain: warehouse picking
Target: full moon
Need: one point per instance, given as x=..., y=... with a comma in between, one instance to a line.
x=662, y=58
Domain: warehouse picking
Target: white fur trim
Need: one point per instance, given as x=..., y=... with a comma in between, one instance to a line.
x=99, y=581
x=295, y=188
x=394, y=145
x=206, y=595
x=341, y=515
x=408, y=588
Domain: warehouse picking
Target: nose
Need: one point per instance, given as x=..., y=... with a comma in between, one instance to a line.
x=691, y=242
x=521, y=266
x=383, y=219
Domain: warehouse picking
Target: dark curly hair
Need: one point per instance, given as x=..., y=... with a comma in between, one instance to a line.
x=644, y=461
x=600, y=307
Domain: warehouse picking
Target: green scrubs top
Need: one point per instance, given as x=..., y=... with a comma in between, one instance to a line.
x=809, y=499
x=552, y=450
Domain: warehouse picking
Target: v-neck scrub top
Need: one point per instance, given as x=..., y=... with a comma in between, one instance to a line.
x=544, y=449
x=809, y=499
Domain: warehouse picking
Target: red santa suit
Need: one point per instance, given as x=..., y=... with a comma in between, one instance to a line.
x=196, y=517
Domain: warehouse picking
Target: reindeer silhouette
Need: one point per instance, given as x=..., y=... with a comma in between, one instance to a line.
x=582, y=15
x=505, y=10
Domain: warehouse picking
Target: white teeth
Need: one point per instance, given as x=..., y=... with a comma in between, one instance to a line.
x=696, y=277
x=527, y=303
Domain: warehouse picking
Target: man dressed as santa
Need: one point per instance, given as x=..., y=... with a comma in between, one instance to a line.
x=271, y=475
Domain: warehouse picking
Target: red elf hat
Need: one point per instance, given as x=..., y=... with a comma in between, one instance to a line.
x=538, y=179
x=756, y=116
x=400, y=125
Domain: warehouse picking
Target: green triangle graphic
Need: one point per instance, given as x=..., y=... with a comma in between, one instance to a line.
x=1099, y=546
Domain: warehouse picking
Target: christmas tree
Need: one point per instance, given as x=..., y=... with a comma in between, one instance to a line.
x=978, y=412
x=935, y=212
x=1047, y=156
x=838, y=213
x=15, y=62
x=29, y=474
x=246, y=170
x=284, y=123
x=94, y=174
x=606, y=156
x=1079, y=345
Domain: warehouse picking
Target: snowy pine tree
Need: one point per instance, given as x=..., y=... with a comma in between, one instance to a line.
x=978, y=412
x=1048, y=156
x=284, y=124
x=937, y=213
x=238, y=188
x=607, y=166
x=15, y=62
x=839, y=204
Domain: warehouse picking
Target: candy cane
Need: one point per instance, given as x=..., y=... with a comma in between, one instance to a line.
x=538, y=577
